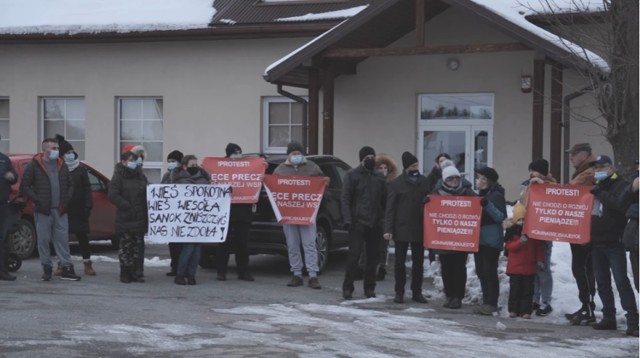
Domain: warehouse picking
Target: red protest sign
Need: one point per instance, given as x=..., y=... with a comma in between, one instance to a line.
x=559, y=213
x=295, y=199
x=245, y=176
x=452, y=223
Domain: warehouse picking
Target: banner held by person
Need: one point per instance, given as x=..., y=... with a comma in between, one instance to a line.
x=188, y=212
x=245, y=175
x=295, y=199
x=559, y=213
x=452, y=223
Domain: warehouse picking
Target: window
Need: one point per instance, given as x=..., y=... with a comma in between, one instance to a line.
x=140, y=122
x=456, y=106
x=4, y=125
x=65, y=116
x=282, y=123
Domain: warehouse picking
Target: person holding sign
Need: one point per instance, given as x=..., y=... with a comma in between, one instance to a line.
x=173, y=162
x=300, y=235
x=188, y=173
x=453, y=263
x=608, y=253
x=128, y=192
x=494, y=212
x=404, y=224
x=241, y=215
x=362, y=203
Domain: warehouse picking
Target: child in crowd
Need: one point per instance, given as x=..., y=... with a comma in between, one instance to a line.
x=525, y=257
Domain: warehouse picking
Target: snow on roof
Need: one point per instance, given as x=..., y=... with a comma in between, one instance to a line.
x=534, y=7
x=330, y=15
x=92, y=16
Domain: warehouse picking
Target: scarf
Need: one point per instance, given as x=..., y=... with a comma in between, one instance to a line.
x=73, y=164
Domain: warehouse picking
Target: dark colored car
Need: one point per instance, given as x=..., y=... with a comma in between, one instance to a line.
x=22, y=234
x=266, y=235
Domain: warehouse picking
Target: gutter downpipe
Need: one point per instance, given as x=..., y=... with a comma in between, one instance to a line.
x=566, y=135
x=305, y=119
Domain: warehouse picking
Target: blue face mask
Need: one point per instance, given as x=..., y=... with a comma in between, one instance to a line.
x=172, y=165
x=132, y=165
x=601, y=175
x=54, y=154
x=69, y=157
x=235, y=155
x=296, y=159
x=139, y=161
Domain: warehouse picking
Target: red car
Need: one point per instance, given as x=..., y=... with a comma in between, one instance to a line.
x=22, y=235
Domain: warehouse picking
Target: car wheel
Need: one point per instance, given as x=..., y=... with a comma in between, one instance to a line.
x=207, y=257
x=23, y=239
x=322, y=244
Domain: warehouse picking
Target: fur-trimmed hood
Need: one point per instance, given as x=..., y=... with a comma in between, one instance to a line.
x=391, y=165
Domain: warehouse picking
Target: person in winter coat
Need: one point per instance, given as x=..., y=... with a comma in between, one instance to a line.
x=494, y=211
x=8, y=177
x=525, y=257
x=81, y=202
x=581, y=158
x=238, y=238
x=189, y=173
x=362, y=205
x=141, y=154
x=543, y=283
x=301, y=235
x=630, y=235
x=173, y=162
x=47, y=183
x=435, y=175
x=608, y=254
x=403, y=222
x=453, y=263
x=128, y=192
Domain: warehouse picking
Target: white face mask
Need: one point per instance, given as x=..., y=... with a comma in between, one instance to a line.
x=139, y=160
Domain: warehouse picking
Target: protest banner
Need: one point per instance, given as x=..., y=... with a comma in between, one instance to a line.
x=295, y=199
x=245, y=176
x=188, y=212
x=452, y=223
x=559, y=213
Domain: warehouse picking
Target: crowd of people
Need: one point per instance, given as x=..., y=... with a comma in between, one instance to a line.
x=379, y=203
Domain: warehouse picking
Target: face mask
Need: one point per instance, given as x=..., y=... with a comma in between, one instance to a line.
x=601, y=175
x=383, y=172
x=54, y=154
x=413, y=173
x=296, y=159
x=172, y=165
x=235, y=156
x=192, y=170
x=369, y=163
x=70, y=157
x=139, y=161
x=132, y=165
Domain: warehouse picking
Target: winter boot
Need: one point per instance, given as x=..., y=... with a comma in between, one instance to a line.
x=88, y=269
x=69, y=274
x=179, y=280
x=607, y=323
x=132, y=274
x=48, y=270
x=124, y=275
x=583, y=318
x=191, y=280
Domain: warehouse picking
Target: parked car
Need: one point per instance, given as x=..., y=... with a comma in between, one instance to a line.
x=266, y=235
x=22, y=234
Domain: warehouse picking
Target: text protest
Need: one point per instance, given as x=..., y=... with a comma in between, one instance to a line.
x=188, y=212
x=452, y=223
x=245, y=176
x=559, y=213
x=295, y=199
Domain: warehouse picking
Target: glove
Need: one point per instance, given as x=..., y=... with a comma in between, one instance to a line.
x=595, y=190
x=540, y=266
x=523, y=239
x=426, y=200
x=484, y=202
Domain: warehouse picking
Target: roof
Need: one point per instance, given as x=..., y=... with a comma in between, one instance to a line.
x=384, y=22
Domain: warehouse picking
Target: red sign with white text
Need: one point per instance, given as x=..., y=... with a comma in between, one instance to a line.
x=245, y=176
x=559, y=213
x=452, y=223
x=295, y=199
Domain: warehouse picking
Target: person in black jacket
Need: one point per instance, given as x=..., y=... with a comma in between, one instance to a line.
x=81, y=202
x=630, y=235
x=128, y=192
x=47, y=183
x=238, y=237
x=403, y=222
x=8, y=177
x=435, y=175
x=607, y=254
x=362, y=204
x=173, y=163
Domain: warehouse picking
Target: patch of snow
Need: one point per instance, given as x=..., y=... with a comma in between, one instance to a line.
x=330, y=15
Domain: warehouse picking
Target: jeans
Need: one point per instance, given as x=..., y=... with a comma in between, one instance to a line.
x=607, y=260
x=543, y=283
x=189, y=259
x=486, y=260
x=454, y=274
x=417, y=266
x=361, y=238
x=302, y=236
x=237, y=239
x=53, y=228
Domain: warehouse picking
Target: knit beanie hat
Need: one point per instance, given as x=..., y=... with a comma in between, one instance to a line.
x=366, y=150
x=489, y=173
x=294, y=146
x=541, y=166
x=176, y=155
x=65, y=146
x=519, y=212
x=450, y=171
x=231, y=149
x=408, y=159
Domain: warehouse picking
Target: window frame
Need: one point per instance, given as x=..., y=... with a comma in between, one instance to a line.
x=266, y=125
x=6, y=138
x=81, y=153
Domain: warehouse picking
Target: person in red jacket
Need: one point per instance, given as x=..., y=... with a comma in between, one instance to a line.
x=526, y=256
